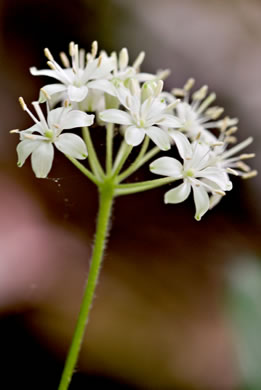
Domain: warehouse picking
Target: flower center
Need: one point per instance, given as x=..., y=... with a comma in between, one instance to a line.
x=49, y=134
x=189, y=173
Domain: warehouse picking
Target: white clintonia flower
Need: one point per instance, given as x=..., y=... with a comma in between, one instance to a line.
x=73, y=79
x=147, y=114
x=197, y=173
x=38, y=140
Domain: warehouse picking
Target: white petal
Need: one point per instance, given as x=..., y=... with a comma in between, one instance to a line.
x=217, y=176
x=116, y=116
x=103, y=85
x=47, y=72
x=66, y=118
x=73, y=145
x=167, y=166
x=170, y=121
x=76, y=118
x=134, y=136
x=35, y=128
x=182, y=143
x=50, y=90
x=77, y=94
x=201, y=200
x=24, y=149
x=42, y=159
x=159, y=137
x=178, y=194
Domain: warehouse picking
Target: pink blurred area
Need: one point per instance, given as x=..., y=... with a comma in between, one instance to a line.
x=157, y=320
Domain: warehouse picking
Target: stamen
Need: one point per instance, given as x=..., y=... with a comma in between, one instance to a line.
x=217, y=144
x=232, y=130
x=94, y=49
x=232, y=171
x=178, y=92
x=201, y=93
x=81, y=58
x=123, y=58
x=48, y=54
x=244, y=167
x=163, y=74
x=99, y=61
x=45, y=94
x=65, y=60
x=250, y=175
x=245, y=156
x=14, y=131
x=230, y=140
x=214, y=112
x=189, y=84
x=51, y=65
x=40, y=113
x=139, y=60
x=219, y=192
x=71, y=49
x=206, y=103
x=158, y=88
x=66, y=103
x=22, y=103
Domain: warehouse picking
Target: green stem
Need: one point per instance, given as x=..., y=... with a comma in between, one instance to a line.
x=105, y=207
x=109, y=147
x=122, y=156
x=148, y=156
x=126, y=189
x=84, y=170
x=93, y=159
x=134, y=166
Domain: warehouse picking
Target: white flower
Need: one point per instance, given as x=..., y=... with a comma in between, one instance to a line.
x=38, y=140
x=231, y=163
x=196, y=117
x=122, y=71
x=147, y=114
x=197, y=173
x=74, y=78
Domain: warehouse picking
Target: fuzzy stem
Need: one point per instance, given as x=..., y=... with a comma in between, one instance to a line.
x=105, y=207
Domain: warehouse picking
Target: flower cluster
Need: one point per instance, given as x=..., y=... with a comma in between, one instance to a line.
x=135, y=106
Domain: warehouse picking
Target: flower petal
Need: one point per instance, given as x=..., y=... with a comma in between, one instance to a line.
x=42, y=159
x=167, y=166
x=76, y=118
x=134, y=136
x=182, y=143
x=50, y=90
x=103, y=85
x=159, y=137
x=170, y=121
x=47, y=72
x=216, y=176
x=201, y=200
x=66, y=118
x=116, y=116
x=73, y=145
x=24, y=149
x=178, y=194
x=77, y=94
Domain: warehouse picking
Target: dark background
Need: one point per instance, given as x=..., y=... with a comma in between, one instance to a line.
x=158, y=319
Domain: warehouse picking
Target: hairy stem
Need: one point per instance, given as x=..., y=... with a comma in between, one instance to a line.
x=105, y=207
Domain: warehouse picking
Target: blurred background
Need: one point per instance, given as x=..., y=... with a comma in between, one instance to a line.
x=178, y=305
